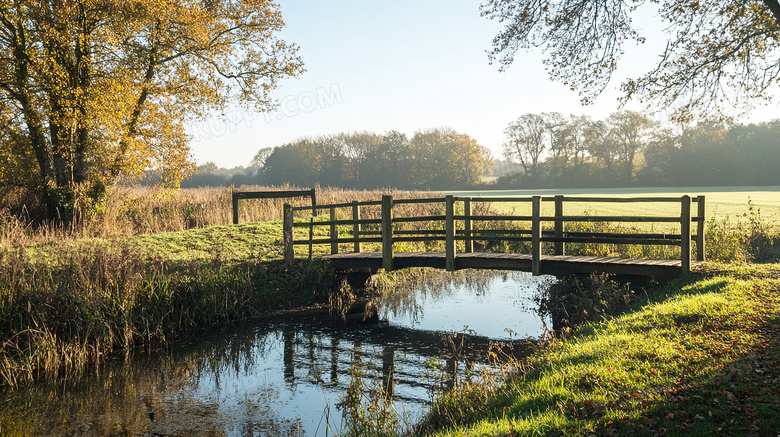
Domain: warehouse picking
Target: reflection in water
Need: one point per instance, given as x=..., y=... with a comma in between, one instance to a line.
x=280, y=377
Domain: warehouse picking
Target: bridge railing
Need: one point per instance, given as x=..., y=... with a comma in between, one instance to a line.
x=461, y=225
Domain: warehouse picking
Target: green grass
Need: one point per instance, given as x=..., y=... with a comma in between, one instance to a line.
x=247, y=241
x=697, y=358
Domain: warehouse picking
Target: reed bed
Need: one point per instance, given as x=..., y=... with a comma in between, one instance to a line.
x=130, y=211
x=57, y=316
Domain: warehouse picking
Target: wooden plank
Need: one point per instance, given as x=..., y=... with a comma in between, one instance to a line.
x=338, y=205
x=501, y=199
x=334, y=233
x=603, y=240
x=422, y=200
x=559, y=244
x=387, y=232
x=700, y=233
x=449, y=242
x=525, y=218
x=607, y=218
x=685, y=231
x=621, y=199
x=426, y=218
x=356, y=227
x=235, y=207
x=536, y=236
x=272, y=194
x=287, y=232
x=469, y=243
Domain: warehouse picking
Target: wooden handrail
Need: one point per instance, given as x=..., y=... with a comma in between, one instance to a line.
x=238, y=195
x=450, y=234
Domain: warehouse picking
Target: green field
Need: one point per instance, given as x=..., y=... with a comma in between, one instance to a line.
x=723, y=203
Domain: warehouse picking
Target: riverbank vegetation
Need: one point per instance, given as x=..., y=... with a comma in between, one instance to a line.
x=697, y=356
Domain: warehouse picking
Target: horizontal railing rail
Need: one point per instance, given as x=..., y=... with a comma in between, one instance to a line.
x=238, y=195
x=462, y=227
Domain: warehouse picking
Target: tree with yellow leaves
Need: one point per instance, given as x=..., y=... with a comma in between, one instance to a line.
x=103, y=88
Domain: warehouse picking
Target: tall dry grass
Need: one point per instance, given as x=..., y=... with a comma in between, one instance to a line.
x=129, y=211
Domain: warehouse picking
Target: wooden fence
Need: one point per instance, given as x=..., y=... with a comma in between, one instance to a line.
x=237, y=195
x=468, y=230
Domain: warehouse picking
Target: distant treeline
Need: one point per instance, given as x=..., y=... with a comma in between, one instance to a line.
x=630, y=149
x=541, y=150
x=430, y=159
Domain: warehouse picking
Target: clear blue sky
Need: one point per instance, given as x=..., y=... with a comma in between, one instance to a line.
x=404, y=65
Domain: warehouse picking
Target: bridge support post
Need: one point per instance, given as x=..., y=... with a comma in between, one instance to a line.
x=387, y=233
x=560, y=249
x=536, y=236
x=356, y=228
x=449, y=241
x=700, y=245
x=289, y=253
x=685, y=234
x=469, y=243
x=334, y=232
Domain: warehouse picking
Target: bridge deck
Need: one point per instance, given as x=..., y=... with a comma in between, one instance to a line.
x=558, y=265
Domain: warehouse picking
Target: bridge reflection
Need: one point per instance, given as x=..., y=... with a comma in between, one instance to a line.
x=411, y=362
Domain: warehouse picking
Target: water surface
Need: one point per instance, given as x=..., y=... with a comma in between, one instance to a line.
x=283, y=376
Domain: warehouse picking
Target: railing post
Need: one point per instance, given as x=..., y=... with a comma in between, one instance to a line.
x=313, y=202
x=356, y=227
x=235, y=207
x=685, y=234
x=311, y=236
x=700, y=244
x=289, y=252
x=469, y=245
x=387, y=233
x=334, y=233
x=449, y=240
x=560, y=249
x=536, y=236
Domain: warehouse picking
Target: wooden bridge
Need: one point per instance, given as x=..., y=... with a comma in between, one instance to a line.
x=459, y=229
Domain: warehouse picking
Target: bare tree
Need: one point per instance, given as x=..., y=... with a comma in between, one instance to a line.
x=723, y=53
x=631, y=132
x=527, y=139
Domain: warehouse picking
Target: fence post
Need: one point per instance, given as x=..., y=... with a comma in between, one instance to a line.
x=311, y=236
x=334, y=232
x=313, y=202
x=356, y=227
x=235, y=207
x=685, y=234
x=387, y=232
x=536, y=236
x=449, y=240
x=289, y=253
x=700, y=244
x=469, y=245
x=560, y=249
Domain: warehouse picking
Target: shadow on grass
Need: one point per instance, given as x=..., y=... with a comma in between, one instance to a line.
x=741, y=397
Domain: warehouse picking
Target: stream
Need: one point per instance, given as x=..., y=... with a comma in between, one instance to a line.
x=287, y=375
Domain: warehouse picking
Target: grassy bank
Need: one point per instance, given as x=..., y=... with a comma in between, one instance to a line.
x=65, y=306
x=695, y=357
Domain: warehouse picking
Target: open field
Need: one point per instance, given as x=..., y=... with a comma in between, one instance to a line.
x=723, y=203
